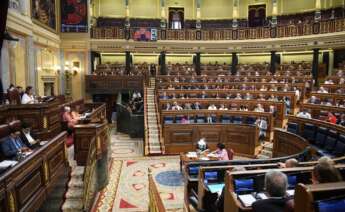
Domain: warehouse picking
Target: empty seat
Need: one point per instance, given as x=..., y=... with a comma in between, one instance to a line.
x=292, y=127
x=200, y=119
x=309, y=132
x=330, y=144
x=251, y=120
x=168, y=120
x=237, y=120
x=226, y=119
x=339, y=149
x=321, y=135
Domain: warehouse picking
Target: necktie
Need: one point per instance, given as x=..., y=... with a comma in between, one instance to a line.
x=15, y=143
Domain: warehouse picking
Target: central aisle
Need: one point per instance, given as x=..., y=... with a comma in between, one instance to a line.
x=128, y=185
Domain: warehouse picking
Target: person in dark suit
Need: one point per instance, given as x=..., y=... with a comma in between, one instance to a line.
x=276, y=184
x=12, y=145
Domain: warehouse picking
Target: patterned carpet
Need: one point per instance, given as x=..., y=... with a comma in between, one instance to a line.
x=128, y=186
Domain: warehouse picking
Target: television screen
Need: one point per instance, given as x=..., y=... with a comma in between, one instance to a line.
x=145, y=34
x=292, y=181
x=333, y=205
x=193, y=170
x=244, y=185
x=211, y=176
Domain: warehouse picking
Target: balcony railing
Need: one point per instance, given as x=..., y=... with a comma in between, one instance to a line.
x=247, y=33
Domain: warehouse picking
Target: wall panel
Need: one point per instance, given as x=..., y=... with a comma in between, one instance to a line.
x=216, y=9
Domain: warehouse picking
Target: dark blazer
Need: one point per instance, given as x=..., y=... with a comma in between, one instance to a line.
x=272, y=205
x=8, y=148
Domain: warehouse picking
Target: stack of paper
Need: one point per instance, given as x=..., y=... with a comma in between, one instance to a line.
x=192, y=155
x=7, y=163
x=247, y=199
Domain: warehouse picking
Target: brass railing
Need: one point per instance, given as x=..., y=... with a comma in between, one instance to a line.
x=155, y=201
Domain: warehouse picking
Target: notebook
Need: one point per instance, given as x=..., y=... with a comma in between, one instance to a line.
x=246, y=199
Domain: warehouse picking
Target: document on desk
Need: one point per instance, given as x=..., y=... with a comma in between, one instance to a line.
x=191, y=155
x=7, y=163
x=290, y=192
x=247, y=199
x=215, y=188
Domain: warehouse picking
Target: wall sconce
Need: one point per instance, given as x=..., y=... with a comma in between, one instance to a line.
x=75, y=71
x=72, y=68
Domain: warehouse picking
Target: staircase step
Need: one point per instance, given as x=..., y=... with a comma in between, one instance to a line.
x=71, y=205
x=78, y=171
x=74, y=193
x=76, y=182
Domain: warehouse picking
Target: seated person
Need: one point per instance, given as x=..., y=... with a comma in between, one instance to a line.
x=331, y=118
x=176, y=107
x=322, y=90
x=259, y=108
x=75, y=113
x=201, y=145
x=276, y=185
x=314, y=100
x=67, y=117
x=221, y=152
x=222, y=107
x=304, y=114
x=290, y=163
x=325, y=172
x=212, y=107
x=197, y=106
x=28, y=97
x=12, y=145
x=27, y=136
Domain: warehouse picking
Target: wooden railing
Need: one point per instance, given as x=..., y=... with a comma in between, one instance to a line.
x=27, y=185
x=155, y=200
x=327, y=26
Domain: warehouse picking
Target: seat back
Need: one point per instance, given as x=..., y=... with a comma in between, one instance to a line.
x=321, y=135
x=168, y=120
x=339, y=149
x=200, y=119
x=251, y=120
x=226, y=119
x=237, y=120
x=309, y=132
x=292, y=127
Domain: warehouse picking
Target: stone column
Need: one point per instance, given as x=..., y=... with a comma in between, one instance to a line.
x=162, y=64
x=234, y=63
x=273, y=62
x=197, y=63
x=315, y=67
x=128, y=62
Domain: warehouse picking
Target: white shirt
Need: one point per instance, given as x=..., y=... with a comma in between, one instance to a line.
x=304, y=115
x=26, y=99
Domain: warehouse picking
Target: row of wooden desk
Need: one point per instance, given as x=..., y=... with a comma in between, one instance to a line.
x=25, y=186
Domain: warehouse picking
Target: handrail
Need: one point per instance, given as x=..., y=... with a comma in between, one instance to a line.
x=155, y=200
x=89, y=192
